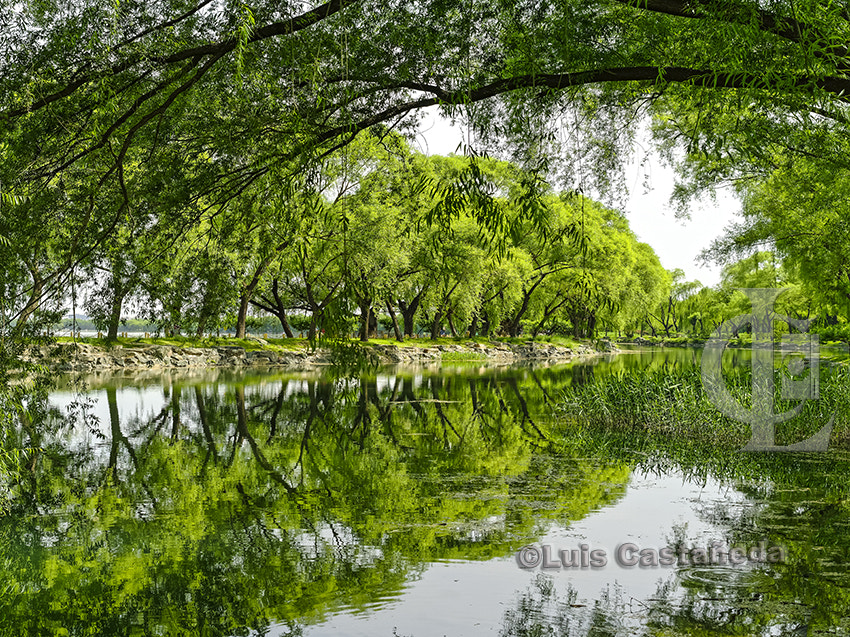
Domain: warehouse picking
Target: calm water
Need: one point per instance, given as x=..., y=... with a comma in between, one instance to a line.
x=395, y=504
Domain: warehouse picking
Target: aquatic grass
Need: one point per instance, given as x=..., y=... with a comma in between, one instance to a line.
x=671, y=406
x=662, y=421
x=656, y=401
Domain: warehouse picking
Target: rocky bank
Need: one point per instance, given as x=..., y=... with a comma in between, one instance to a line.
x=71, y=357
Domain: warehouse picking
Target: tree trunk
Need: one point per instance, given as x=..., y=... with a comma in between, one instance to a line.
x=248, y=291
x=284, y=323
x=408, y=313
x=114, y=316
x=242, y=317
x=514, y=323
x=670, y=319
x=473, y=326
x=451, y=324
x=578, y=318
x=373, y=323
x=398, y=335
x=365, y=317
x=513, y=327
x=276, y=307
x=435, y=326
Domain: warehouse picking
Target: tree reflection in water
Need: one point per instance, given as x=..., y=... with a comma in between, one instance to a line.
x=244, y=503
x=238, y=505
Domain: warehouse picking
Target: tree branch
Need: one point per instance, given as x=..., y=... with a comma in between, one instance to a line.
x=217, y=49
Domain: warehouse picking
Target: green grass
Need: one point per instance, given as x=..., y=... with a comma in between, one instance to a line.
x=290, y=344
x=463, y=356
x=669, y=408
x=191, y=341
x=562, y=341
x=429, y=342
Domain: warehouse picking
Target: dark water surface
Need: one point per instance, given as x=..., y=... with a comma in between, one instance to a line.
x=395, y=503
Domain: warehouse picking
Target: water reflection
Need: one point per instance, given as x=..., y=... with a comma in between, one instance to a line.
x=306, y=503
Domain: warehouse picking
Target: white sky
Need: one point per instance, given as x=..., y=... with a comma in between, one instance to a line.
x=676, y=242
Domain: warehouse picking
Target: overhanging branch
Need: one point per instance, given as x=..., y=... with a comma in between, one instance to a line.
x=659, y=76
x=216, y=49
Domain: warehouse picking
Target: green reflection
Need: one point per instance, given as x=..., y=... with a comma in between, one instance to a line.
x=237, y=505
x=239, y=502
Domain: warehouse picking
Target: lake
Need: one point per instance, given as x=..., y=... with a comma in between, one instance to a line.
x=401, y=502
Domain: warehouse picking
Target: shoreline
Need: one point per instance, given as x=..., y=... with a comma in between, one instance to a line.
x=88, y=357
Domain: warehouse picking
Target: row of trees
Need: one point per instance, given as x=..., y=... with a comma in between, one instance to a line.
x=698, y=311
x=423, y=244
x=128, y=119
x=382, y=230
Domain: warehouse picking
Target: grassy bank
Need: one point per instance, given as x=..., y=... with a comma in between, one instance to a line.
x=249, y=344
x=255, y=343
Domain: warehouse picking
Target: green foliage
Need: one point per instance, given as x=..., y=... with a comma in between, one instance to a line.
x=180, y=152
x=329, y=251
x=668, y=407
x=234, y=496
x=462, y=356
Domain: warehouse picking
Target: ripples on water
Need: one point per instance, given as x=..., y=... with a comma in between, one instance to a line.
x=394, y=504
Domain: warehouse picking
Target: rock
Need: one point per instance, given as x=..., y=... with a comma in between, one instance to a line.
x=263, y=358
x=83, y=356
x=605, y=345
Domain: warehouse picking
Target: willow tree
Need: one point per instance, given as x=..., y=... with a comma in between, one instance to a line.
x=274, y=84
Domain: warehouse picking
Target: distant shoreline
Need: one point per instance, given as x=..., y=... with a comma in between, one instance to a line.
x=84, y=356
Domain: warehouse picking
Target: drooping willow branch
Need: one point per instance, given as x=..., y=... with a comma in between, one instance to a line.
x=216, y=50
x=658, y=76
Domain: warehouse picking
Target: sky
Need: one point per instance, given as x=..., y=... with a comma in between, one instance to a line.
x=676, y=242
